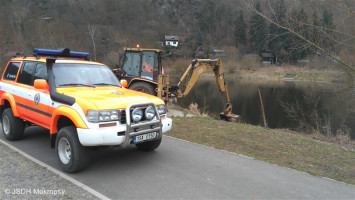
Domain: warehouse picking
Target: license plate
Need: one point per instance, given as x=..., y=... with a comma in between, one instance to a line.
x=144, y=137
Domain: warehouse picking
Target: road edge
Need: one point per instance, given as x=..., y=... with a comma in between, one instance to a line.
x=248, y=157
x=59, y=173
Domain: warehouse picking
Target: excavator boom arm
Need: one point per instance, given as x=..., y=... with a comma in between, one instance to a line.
x=188, y=80
x=198, y=67
x=193, y=72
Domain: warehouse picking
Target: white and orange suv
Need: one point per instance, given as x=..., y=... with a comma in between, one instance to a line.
x=80, y=102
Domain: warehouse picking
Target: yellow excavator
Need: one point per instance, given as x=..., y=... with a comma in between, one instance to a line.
x=142, y=68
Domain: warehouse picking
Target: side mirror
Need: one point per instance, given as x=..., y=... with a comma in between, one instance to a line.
x=117, y=71
x=124, y=83
x=41, y=84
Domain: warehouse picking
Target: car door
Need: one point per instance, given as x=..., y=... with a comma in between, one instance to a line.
x=34, y=103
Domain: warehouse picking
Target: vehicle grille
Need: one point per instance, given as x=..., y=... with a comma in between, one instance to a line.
x=123, y=114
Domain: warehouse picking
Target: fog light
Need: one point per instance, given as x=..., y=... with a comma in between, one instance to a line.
x=149, y=113
x=137, y=114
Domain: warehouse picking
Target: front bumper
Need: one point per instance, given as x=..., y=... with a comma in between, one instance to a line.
x=166, y=123
x=118, y=135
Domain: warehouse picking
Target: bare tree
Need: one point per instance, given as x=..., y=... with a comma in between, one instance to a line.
x=92, y=33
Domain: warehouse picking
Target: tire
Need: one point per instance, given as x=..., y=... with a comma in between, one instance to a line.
x=143, y=87
x=13, y=127
x=149, y=146
x=72, y=156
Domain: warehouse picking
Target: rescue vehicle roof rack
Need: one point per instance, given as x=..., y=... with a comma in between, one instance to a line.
x=16, y=54
x=64, y=52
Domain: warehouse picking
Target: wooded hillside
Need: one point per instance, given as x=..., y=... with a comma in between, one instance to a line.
x=104, y=27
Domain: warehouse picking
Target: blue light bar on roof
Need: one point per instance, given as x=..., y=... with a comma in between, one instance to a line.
x=79, y=54
x=60, y=52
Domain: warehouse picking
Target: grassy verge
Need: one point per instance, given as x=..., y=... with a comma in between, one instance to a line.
x=277, y=146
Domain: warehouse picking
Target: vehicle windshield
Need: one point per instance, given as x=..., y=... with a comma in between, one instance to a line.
x=81, y=74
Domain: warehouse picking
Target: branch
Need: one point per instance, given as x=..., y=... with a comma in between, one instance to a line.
x=345, y=65
x=329, y=29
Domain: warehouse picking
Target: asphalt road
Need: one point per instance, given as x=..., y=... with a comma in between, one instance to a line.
x=183, y=170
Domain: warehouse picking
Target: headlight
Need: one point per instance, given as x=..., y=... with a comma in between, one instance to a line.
x=103, y=115
x=161, y=109
x=149, y=113
x=137, y=114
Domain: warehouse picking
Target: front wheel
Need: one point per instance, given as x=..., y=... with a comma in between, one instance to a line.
x=149, y=146
x=12, y=127
x=72, y=156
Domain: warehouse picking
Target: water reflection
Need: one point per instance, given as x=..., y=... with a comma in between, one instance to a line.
x=318, y=104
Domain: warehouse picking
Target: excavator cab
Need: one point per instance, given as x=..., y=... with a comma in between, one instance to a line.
x=141, y=68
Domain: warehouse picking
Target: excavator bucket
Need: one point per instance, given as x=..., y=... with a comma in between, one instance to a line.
x=230, y=118
x=227, y=114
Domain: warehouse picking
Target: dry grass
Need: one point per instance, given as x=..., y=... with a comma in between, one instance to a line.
x=340, y=139
x=282, y=147
x=273, y=72
x=193, y=109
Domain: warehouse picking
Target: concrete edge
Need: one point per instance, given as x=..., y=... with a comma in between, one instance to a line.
x=61, y=174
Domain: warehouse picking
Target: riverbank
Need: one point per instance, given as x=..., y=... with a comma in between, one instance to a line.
x=249, y=67
x=278, y=146
x=294, y=73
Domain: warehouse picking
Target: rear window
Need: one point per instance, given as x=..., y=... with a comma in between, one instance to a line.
x=30, y=71
x=26, y=74
x=11, y=71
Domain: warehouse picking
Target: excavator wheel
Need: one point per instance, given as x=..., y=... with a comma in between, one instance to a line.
x=143, y=87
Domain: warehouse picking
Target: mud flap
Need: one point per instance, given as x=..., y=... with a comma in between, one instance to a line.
x=52, y=138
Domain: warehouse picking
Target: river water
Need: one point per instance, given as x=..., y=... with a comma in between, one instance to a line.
x=288, y=104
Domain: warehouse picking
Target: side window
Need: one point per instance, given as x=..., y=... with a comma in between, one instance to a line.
x=26, y=73
x=132, y=64
x=41, y=71
x=11, y=71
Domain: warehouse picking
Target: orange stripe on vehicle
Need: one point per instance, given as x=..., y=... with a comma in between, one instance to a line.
x=37, y=114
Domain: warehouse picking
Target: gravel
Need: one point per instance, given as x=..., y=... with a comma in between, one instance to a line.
x=21, y=178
